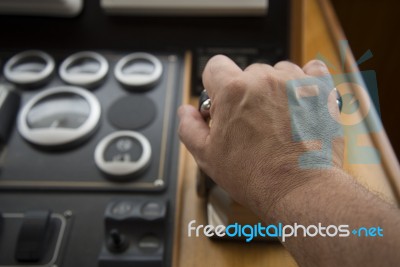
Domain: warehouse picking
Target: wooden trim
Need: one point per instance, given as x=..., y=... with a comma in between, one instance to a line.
x=181, y=165
x=380, y=140
x=296, y=31
x=310, y=35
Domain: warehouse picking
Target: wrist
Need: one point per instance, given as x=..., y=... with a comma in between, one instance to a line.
x=296, y=188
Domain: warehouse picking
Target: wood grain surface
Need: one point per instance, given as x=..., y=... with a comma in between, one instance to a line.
x=315, y=29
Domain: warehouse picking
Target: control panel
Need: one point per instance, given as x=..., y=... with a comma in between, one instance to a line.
x=89, y=157
x=88, y=125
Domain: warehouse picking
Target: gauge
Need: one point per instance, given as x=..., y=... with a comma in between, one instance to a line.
x=31, y=67
x=139, y=70
x=59, y=116
x=84, y=69
x=123, y=153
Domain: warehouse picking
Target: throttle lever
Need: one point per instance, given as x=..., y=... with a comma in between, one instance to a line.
x=203, y=182
x=204, y=105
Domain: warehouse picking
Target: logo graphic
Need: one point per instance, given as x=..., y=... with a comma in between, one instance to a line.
x=281, y=231
x=308, y=106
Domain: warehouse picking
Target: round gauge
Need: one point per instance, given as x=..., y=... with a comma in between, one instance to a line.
x=123, y=153
x=84, y=69
x=59, y=116
x=138, y=70
x=29, y=68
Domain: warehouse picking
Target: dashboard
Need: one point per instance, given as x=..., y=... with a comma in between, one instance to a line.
x=88, y=128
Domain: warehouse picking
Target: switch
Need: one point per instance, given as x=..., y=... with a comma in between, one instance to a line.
x=33, y=237
x=116, y=241
x=135, y=231
x=150, y=243
x=154, y=210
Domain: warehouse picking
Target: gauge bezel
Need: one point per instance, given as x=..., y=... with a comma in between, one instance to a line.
x=84, y=79
x=29, y=78
x=59, y=136
x=138, y=80
x=115, y=168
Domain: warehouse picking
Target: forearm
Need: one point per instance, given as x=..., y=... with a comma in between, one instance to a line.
x=336, y=199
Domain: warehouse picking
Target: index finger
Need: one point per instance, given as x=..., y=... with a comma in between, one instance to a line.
x=219, y=71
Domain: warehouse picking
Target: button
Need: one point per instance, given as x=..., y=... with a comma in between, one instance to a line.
x=138, y=70
x=141, y=109
x=149, y=243
x=29, y=67
x=33, y=236
x=59, y=116
x=84, y=69
x=153, y=210
x=122, y=208
x=123, y=154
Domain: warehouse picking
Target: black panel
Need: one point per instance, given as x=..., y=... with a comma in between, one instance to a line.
x=33, y=178
x=65, y=180
x=93, y=29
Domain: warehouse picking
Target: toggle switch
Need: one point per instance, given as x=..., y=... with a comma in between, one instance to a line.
x=136, y=233
x=117, y=242
x=33, y=237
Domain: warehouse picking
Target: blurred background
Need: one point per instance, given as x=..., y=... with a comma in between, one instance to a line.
x=374, y=25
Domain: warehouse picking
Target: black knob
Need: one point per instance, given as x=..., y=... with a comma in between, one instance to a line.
x=117, y=242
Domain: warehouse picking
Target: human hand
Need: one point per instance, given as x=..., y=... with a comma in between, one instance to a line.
x=257, y=135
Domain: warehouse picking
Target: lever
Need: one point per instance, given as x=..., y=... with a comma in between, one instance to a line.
x=9, y=105
x=204, y=105
x=203, y=182
x=33, y=236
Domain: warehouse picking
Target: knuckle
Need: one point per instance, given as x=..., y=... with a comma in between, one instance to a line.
x=267, y=80
x=284, y=63
x=236, y=86
x=217, y=57
x=318, y=64
x=215, y=60
x=255, y=66
x=213, y=64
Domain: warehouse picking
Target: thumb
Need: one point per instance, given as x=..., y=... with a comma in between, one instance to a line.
x=193, y=130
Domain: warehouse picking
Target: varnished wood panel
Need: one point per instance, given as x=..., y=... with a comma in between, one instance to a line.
x=312, y=33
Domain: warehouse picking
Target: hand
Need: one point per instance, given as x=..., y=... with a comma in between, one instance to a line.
x=250, y=149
